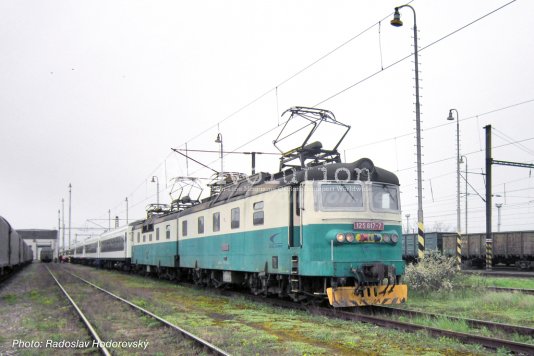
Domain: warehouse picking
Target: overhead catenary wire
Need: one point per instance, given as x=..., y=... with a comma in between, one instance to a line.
x=275, y=88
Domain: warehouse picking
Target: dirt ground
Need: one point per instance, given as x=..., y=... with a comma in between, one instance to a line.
x=38, y=320
x=35, y=316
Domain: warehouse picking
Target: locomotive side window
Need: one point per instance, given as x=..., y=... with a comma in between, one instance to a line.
x=138, y=237
x=200, y=224
x=385, y=198
x=157, y=233
x=342, y=196
x=184, y=228
x=144, y=238
x=149, y=237
x=234, y=224
x=216, y=222
x=168, y=232
x=257, y=216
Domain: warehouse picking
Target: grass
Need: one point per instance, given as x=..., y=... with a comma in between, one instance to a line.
x=9, y=298
x=243, y=327
x=503, y=282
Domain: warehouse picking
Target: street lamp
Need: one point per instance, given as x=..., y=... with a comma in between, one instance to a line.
x=458, y=212
x=462, y=158
x=421, y=233
x=219, y=140
x=156, y=180
x=407, y=223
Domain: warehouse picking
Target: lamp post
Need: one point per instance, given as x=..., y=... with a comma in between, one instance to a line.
x=458, y=212
x=126, y=210
x=420, y=222
x=407, y=223
x=219, y=140
x=155, y=179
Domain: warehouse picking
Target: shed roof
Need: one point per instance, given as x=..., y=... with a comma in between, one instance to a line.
x=37, y=234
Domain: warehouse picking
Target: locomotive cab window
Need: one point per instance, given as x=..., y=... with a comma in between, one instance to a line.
x=234, y=224
x=385, y=198
x=339, y=197
x=200, y=224
x=257, y=216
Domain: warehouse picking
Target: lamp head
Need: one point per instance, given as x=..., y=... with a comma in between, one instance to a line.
x=450, y=118
x=153, y=179
x=396, y=18
x=219, y=138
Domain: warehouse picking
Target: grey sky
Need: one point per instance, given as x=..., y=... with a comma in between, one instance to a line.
x=95, y=94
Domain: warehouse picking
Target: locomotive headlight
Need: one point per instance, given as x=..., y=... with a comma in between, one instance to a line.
x=394, y=238
x=340, y=237
x=386, y=238
x=349, y=236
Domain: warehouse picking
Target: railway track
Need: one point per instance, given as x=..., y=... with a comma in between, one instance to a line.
x=82, y=316
x=203, y=344
x=511, y=290
x=506, y=328
x=487, y=342
x=501, y=273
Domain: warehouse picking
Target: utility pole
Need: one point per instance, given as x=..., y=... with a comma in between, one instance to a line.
x=70, y=211
x=58, y=231
x=63, y=220
x=126, y=210
x=489, y=239
x=489, y=162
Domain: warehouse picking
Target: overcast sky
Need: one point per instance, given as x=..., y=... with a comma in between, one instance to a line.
x=95, y=93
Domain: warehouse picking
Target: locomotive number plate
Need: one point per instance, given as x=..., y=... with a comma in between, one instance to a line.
x=368, y=225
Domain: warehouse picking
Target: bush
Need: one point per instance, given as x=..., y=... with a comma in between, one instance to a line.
x=434, y=273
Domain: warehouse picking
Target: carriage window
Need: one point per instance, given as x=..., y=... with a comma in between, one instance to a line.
x=216, y=222
x=234, y=224
x=184, y=228
x=157, y=233
x=385, y=197
x=168, y=232
x=200, y=224
x=257, y=216
x=342, y=196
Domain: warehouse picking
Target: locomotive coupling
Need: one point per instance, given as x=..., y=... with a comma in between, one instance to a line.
x=370, y=288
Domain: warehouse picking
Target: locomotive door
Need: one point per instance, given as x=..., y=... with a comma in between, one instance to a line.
x=294, y=226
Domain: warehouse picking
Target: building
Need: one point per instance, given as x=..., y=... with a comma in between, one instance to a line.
x=38, y=239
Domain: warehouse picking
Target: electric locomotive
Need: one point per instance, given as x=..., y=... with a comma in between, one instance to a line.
x=317, y=230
